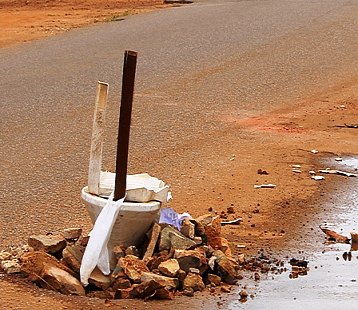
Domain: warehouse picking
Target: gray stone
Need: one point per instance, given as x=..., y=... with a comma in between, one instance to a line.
x=47, y=243
x=172, y=238
x=169, y=268
x=169, y=283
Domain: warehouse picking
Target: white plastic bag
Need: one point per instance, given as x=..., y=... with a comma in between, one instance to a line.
x=96, y=253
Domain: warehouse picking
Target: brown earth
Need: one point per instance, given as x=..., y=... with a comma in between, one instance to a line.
x=273, y=219
x=26, y=20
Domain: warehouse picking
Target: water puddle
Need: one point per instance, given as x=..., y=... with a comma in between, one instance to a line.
x=331, y=279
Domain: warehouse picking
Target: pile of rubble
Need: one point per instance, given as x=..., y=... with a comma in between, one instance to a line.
x=169, y=263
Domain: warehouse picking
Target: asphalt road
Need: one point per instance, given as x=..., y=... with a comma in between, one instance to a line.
x=197, y=65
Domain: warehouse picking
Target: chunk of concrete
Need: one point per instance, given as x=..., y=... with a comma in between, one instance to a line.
x=169, y=268
x=133, y=267
x=172, y=238
x=153, y=239
x=47, y=243
x=169, y=283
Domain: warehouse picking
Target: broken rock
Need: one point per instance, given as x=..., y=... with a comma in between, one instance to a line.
x=72, y=256
x=48, y=272
x=189, y=259
x=153, y=238
x=227, y=268
x=169, y=268
x=47, y=243
x=133, y=267
x=98, y=279
x=212, y=226
x=72, y=233
x=214, y=279
x=169, y=283
x=194, y=281
x=170, y=237
x=188, y=228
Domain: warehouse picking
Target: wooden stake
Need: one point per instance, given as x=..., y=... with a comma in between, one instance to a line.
x=129, y=68
x=95, y=164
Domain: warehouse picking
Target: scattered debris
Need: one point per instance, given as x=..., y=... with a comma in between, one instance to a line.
x=334, y=236
x=339, y=172
x=296, y=166
x=296, y=171
x=168, y=262
x=338, y=159
x=314, y=151
x=263, y=172
x=47, y=243
x=317, y=177
x=299, y=268
x=265, y=186
x=233, y=222
x=347, y=126
x=312, y=172
x=354, y=236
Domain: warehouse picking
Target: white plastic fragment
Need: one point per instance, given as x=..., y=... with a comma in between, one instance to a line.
x=338, y=159
x=265, y=186
x=296, y=166
x=317, y=177
x=314, y=151
x=339, y=172
x=296, y=171
x=312, y=172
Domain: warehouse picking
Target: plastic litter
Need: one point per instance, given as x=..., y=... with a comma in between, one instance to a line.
x=169, y=216
x=96, y=253
x=317, y=177
x=265, y=186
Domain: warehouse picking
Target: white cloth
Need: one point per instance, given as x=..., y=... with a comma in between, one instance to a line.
x=96, y=253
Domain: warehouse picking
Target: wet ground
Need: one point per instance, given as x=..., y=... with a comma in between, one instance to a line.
x=331, y=281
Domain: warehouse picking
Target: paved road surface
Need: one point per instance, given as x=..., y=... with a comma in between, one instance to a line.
x=198, y=65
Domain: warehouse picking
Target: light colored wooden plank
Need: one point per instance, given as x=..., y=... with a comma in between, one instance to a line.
x=95, y=164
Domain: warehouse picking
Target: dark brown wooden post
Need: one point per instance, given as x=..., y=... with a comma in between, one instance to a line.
x=129, y=69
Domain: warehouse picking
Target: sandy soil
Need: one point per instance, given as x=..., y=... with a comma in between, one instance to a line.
x=26, y=20
x=273, y=219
